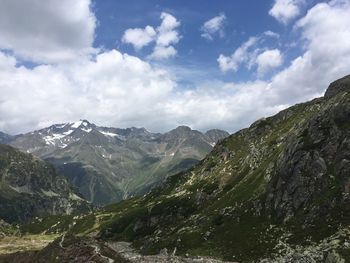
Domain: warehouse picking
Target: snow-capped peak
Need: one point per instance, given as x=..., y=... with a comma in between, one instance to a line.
x=76, y=124
x=79, y=123
x=61, y=134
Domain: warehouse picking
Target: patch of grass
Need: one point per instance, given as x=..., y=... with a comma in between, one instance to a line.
x=12, y=244
x=50, y=224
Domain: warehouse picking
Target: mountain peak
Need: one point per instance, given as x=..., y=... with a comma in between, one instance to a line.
x=79, y=123
x=216, y=134
x=338, y=86
x=183, y=128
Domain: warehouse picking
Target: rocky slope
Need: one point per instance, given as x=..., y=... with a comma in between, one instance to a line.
x=82, y=250
x=277, y=191
x=111, y=164
x=29, y=187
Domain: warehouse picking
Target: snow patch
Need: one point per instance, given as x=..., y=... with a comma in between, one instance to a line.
x=68, y=132
x=86, y=130
x=51, y=139
x=76, y=124
x=109, y=134
x=60, y=126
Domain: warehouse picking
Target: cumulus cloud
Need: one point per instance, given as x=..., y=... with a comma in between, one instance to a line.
x=240, y=56
x=212, y=26
x=139, y=37
x=163, y=52
x=167, y=36
x=114, y=88
x=285, y=10
x=47, y=31
x=268, y=59
x=164, y=37
x=235, y=105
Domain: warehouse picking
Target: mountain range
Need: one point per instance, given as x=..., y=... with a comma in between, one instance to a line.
x=110, y=164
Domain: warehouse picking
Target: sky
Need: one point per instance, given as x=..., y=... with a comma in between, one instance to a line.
x=159, y=64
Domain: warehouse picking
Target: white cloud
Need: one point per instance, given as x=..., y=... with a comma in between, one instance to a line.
x=6, y=61
x=164, y=37
x=234, y=106
x=162, y=52
x=268, y=59
x=167, y=36
x=285, y=10
x=115, y=88
x=240, y=56
x=326, y=30
x=169, y=23
x=139, y=37
x=122, y=91
x=212, y=26
x=270, y=33
x=47, y=31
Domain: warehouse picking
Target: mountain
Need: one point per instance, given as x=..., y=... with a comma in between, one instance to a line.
x=277, y=192
x=5, y=138
x=110, y=164
x=29, y=187
x=216, y=135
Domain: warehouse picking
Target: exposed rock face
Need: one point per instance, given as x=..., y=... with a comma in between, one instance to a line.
x=216, y=135
x=338, y=86
x=312, y=172
x=30, y=187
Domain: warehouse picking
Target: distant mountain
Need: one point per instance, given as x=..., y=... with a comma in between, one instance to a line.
x=216, y=135
x=30, y=187
x=111, y=164
x=5, y=138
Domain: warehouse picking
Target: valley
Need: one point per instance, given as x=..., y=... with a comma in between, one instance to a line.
x=166, y=131
x=275, y=192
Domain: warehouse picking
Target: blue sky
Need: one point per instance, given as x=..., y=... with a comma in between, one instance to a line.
x=242, y=21
x=159, y=63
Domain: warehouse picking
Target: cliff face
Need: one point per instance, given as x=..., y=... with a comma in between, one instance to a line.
x=30, y=187
x=312, y=173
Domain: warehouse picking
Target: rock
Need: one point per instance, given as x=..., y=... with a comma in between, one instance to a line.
x=338, y=86
x=334, y=257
